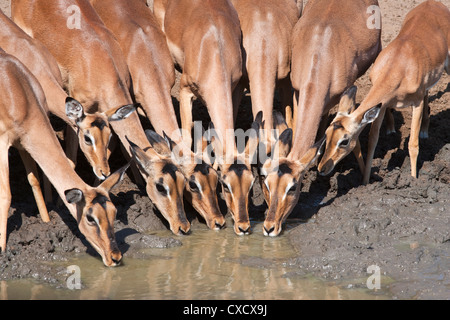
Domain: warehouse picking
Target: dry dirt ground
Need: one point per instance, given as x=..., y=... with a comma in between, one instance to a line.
x=400, y=224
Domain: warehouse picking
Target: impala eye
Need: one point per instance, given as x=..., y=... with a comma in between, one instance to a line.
x=226, y=188
x=88, y=140
x=161, y=189
x=344, y=143
x=293, y=189
x=193, y=186
x=90, y=219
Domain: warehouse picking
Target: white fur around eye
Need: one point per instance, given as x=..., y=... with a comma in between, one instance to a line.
x=199, y=187
x=289, y=186
x=267, y=185
x=168, y=191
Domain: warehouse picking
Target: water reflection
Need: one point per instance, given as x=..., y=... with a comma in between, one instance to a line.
x=209, y=265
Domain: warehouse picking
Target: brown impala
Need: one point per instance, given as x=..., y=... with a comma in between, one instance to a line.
x=332, y=46
x=25, y=126
x=95, y=72
x=92, y=139
x=204, y=39
x=152, y=70
x=401, y=76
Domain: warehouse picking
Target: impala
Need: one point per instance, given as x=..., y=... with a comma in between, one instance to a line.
x=92, y=138
x=331, y=47
x=401, y=76
x=25, y=126
x=204, y=38
x=153, y=74
x=94, y=71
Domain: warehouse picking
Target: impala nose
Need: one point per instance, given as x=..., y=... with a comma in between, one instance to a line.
x=219, y=226
x=268, y=232
x=184, y=232
x=116, y=258
x=326, y=168
x=246, y=231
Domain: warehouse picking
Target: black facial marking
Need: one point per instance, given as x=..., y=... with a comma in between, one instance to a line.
x=238, y=169
x=286, y=137
x=101, y=200
x=203, y=168
x=98, y=123
x=284, y=169
x=171, y=169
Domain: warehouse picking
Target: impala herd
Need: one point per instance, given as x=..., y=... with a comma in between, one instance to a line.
x=119, y=63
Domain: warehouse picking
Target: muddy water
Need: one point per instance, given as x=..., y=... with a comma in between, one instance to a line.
x=209, y=265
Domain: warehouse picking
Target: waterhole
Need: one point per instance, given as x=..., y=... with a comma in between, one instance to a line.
x=210, y=265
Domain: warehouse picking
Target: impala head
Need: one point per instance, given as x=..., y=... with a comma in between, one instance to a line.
x=165, y=186
x=95, y=217
x=237, y=179
x=281, y=181
x=202, y=179
x=343, y=133
x=94, y=133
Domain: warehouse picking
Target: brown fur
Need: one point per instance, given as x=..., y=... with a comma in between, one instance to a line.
x=401, y=77
x=24, y=125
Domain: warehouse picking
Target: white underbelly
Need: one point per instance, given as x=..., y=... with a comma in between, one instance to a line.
x=433, y=77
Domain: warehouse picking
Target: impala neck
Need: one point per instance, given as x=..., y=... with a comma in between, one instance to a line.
x=41, y=143
x=382, y=91
x=312, y=102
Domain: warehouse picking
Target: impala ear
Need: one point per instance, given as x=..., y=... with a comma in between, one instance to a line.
x=251, y=149
x=74, y=196
x=313, y=154
x=120, y=113
x=371, y=115
x=169, y=142
x=259, y=118
x=284, y=144
x=114, y=179
x=159, y=144
x=142, y=159
x=348, y=100
x=74, y=110
x=279, y=122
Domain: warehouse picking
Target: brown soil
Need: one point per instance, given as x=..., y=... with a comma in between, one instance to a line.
x=396, y=222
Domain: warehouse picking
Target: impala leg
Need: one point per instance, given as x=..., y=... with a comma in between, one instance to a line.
x=425, y=118
x=390, y=122
x=186, y=100
x=285, y=90
x=359, y=157
x=413, y=145
x=32, y=174
x=5, y=194
x=373, y=141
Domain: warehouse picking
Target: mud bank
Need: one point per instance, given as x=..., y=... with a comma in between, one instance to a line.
x=400, y=224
